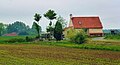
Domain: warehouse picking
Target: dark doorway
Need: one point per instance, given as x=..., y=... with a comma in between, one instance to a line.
x=113, y=32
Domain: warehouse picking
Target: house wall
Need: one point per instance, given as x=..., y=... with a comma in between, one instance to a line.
x=68, y=31
x=70, y=24
x=95, y=31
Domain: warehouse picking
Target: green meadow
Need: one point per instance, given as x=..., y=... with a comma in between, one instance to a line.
x=58, y=53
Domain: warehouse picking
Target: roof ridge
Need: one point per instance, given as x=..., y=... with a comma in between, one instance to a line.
x=85, y=17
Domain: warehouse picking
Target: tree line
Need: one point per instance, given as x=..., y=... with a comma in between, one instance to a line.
x=21, y=28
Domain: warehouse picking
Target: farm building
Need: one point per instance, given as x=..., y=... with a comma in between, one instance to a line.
x=11, y=34
x=111, y=31
x=92, y=25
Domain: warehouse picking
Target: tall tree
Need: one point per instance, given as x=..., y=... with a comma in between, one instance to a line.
x=37, y=27
x=51, y=15
x=62, y=21
x=18, y=27
x=37, y=18
x=33, y=30
x=58, y=31
x=2, y=28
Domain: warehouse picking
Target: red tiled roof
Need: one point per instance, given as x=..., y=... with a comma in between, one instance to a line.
x=11, y=34
x=86, y=22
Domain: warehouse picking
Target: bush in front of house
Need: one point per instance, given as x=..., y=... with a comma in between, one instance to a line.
x=77, y=36
x=70, y=34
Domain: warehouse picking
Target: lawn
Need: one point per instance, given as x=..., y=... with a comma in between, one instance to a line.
x=59, y=53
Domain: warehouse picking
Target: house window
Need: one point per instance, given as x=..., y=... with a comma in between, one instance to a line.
x=113, y=32
x=79, y=22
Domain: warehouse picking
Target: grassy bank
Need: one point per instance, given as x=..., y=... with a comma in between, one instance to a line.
x=58, y=53
x=9, y=39
x=96, y=45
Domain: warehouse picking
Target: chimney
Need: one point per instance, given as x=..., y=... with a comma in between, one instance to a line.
x=70, y=23
x=70, y=16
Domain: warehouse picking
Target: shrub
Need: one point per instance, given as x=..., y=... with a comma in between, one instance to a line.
x=79, y=38
x=70, y=34
x=15, y=40
x=28, y=39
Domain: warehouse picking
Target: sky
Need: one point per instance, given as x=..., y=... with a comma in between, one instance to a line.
x=24, y=10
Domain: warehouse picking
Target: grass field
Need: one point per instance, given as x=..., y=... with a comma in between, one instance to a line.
x=34, y=54
x=113, y=37
x=59, y=53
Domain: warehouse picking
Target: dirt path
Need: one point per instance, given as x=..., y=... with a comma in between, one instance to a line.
x=98, y=38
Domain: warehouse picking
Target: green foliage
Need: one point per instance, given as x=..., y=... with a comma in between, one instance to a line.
x=37, y=17
x=10, y=39
x=70, y=33
x=79, y=38
x=29, y=39
x=50, y=32
x=37, y=27
x=15, y=40
x=62, y=21
x=76, y=36
x=2, y=29
x=23, y=33
x=113, y=37
x=95, y=45
x=58, y=31
x=50, y=29
x=17, y=27
x=33, y=30
x=50, y=14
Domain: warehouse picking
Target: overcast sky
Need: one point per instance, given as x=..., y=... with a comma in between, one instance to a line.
x=23, y=10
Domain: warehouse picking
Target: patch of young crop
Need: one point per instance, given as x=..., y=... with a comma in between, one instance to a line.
x=54, y=55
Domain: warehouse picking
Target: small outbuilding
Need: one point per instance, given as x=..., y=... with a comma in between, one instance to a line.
x=11, y=34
